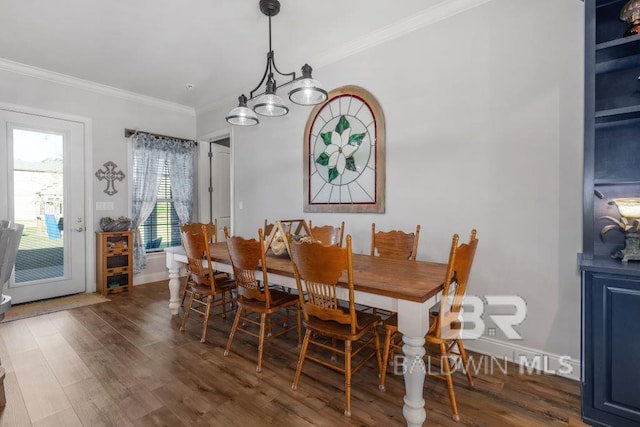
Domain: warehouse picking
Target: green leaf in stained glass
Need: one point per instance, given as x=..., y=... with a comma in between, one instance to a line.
x=356, y=138
x=326, y=137
x=351, y=164
x=343, y=124
x=333, y=174
x=323, y=159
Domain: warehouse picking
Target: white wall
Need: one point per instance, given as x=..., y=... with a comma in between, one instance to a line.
x=109, y=117
x=484, y=130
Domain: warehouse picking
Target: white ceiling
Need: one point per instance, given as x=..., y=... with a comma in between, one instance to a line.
x=156, y=47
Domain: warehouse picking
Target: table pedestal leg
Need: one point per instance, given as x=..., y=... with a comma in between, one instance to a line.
x=414, y=373
x=174, y=283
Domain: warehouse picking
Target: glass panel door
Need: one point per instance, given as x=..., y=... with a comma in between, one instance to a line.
x=43, y=189
x=38, y=200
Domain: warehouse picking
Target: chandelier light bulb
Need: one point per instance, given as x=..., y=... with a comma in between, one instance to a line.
x=242, y=115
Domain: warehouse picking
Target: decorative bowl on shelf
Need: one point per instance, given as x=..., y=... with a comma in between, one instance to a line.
x=629, y=207
x=119, y=224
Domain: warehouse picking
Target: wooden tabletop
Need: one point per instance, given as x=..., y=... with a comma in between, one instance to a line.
x=402, y=279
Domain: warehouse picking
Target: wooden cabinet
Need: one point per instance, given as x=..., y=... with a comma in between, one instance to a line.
x=610, y=289
x=610, y=346
x=114, y=269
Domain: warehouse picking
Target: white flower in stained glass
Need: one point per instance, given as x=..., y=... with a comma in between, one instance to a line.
x=339, y=150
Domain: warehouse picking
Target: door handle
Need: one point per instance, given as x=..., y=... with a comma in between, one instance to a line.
x=79, y=229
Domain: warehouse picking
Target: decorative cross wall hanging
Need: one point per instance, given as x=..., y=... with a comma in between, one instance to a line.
x=110, y=175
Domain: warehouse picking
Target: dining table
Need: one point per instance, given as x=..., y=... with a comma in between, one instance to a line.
x=406, y=287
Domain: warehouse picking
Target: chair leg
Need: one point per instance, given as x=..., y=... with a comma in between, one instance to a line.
x=263, y=321
x=298, y=315
x=184, y=294
x=187, y=311
x=347, y=373
x=378, y=354
x=465, y=361
x=303, y=354
x=233, y=330
x=385, y=360
x=206, y=319
x=444, y=357
x=224, y=305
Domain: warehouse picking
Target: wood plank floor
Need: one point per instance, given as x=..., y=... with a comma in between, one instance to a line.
x=125, y=363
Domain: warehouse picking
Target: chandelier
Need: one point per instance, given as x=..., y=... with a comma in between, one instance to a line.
x=304, y=89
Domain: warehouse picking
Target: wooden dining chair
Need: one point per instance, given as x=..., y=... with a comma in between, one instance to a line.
x=212, y=233
x=317, y=269
x=328, y=234
x=445, y=329
x=254, y=295
x=394, y=244
x=202, y=281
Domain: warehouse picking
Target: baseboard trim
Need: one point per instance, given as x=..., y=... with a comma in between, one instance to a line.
x=529, y=359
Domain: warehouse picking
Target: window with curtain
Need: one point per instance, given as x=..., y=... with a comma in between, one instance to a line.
x=162, y=228
x=162, y=198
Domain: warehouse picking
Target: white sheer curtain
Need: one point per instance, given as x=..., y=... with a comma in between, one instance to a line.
x=150, y=153
x=181, y=169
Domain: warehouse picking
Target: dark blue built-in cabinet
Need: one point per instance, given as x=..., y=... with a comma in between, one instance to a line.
x=610, y=289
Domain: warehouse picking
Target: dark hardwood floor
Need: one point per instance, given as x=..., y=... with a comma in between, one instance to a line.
x=125, y=362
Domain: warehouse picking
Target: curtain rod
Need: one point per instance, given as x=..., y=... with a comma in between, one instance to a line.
x=130, y=132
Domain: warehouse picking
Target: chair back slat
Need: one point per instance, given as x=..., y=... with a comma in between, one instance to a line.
x=328, y=234
x=247, y=256
x=268, y=226
x=196, y=247
x=455, y=285
x=196, y=227
x=318, y=269
x=395, y=244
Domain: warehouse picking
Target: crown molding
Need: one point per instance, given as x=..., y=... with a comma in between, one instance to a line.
x=52, y=76
x=422, y=19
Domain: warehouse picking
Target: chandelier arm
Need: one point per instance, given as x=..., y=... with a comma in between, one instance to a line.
x=264, y=76
x=271, y=105
x=291, y=74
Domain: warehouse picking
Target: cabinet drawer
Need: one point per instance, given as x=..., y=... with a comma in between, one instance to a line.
x=117, y=261
x=117, y=281
x=118, y=270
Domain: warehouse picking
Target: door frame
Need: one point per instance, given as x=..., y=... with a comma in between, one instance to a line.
x=87, y=124
x=204, y=170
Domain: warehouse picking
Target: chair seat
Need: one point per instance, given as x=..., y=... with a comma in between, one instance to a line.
x=343, y=331
x=279, y=299
x=221, y=286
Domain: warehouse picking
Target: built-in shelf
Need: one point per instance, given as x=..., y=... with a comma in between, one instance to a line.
x=610, y=297
x=616, y=114
x=605, y=3
x=618, y=48
x=615, y=182
x=630, y=120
